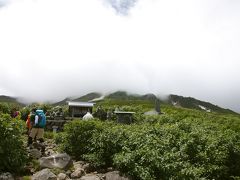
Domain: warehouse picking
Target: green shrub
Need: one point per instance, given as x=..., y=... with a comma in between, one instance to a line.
x=59, y=138
x=5, y=108
x=167, y=151
x=49, y=135
x=26, y=178
x=12, y=153
x=77, y=136
x=105, y=144
x=180, y=144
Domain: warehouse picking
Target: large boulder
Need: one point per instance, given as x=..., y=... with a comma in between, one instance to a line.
x=115, y=175
x=44, y=174
x=62, y=161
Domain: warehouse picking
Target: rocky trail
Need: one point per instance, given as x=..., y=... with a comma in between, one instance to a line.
x=52, y=165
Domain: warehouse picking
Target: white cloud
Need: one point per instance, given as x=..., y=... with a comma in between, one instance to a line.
x=50, y=49
x=122, y=7
x=3, y=3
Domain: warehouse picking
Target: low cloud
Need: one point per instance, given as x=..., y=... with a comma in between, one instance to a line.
x=51, y=49
x=122, y=7
x=3, y=3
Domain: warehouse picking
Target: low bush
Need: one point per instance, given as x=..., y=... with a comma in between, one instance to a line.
x=169, y=152
x=12, y=153
x=105, y=144
x=49, y=135
x=183, y=145
x=77, y=136
x=5, y=108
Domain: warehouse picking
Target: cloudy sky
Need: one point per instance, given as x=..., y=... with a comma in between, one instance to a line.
x=50, y=49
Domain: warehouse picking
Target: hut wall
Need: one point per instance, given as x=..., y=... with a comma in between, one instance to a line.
x=124, y=118
x=79, y=111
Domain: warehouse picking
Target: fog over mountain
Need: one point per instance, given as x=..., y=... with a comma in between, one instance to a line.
x=51, y=49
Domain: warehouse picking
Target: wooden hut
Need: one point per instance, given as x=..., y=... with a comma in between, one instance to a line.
x=124, y=117
x=79, y=109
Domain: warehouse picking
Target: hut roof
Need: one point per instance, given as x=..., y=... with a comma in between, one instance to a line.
x=123, y=112
x=80, y=104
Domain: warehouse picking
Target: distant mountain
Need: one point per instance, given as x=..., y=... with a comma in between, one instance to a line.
x=192, y=103
x=85, y=98
x=88, y=97
x=148, y=97
x=119, y=95
x=122, y=95
x=62, y=103
x=9, y=99
x=174, y=100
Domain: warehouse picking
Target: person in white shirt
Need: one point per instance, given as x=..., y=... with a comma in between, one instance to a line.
x=87, y=116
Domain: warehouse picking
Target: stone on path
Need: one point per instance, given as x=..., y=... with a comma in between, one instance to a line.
x=84, y=165
x=78, y=164
x=6, y=176
x=62, y=176
x=115, y=175
x=44, y=174
x=35, y=153
x=90, y=177
x=77, y=173
x=61, y=161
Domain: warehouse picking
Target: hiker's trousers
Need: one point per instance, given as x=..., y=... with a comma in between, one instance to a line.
x=37, y=132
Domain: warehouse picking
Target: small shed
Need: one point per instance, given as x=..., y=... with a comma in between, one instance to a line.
x=124, y=117
x=79, y=109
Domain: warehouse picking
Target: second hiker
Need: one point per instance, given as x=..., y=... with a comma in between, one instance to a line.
x=38, y=123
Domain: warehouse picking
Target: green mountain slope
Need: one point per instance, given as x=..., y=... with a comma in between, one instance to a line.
x=147, y=100
x=11, y=100
x=88, y=97
x=123, y=95
x=62, y=103
x=192, y=103
x=8, y=99
x=124, y=98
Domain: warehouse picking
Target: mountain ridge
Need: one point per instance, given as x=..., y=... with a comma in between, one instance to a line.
x=10, y=99
x=173, y=100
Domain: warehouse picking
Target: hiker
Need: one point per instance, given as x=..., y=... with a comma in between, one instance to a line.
x=28, y=124
x=38, y=123
x=87, y=116
x=16, y=114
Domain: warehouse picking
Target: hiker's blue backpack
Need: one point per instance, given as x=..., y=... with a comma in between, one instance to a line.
x=41, y=118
